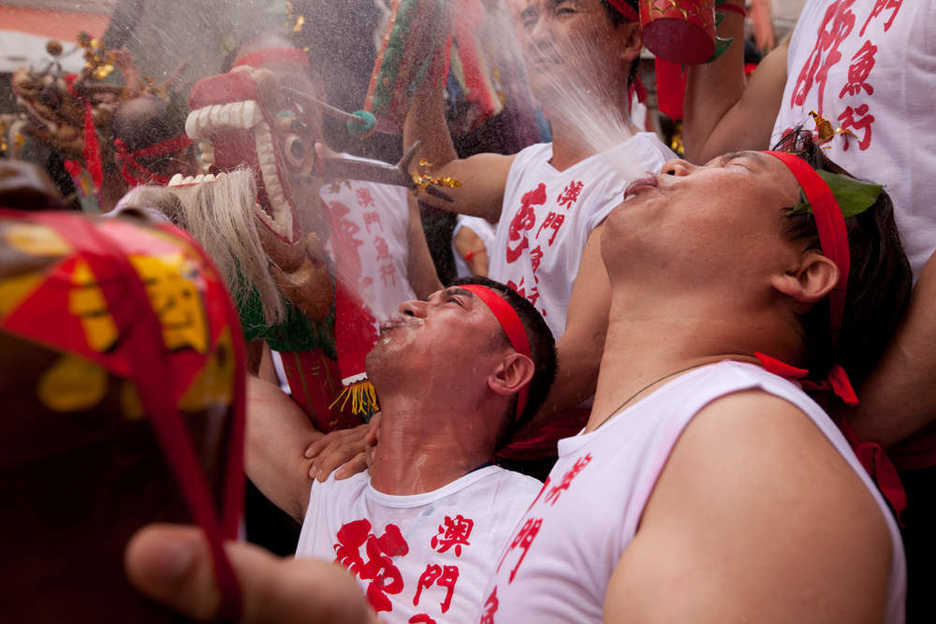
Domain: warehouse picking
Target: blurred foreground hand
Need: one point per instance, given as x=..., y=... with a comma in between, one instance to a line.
x=172, y=565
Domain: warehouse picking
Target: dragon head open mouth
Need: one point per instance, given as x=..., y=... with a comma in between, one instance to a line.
x=245, y=118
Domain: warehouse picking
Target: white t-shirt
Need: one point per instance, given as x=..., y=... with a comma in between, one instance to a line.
x=485, y=232
x=369, y=244
x=547, y=216
x=559, y=562
x=869, y=66
x=428, y=554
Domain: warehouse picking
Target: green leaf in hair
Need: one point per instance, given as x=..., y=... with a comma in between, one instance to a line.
x=853, y=196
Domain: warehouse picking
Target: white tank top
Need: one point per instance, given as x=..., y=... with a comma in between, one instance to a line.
x=548, y=215
x=870, y=66
x=419, y=558
x=557, y=566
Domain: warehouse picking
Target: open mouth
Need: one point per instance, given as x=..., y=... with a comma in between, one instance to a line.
x=247, y=116
x=640, y=184
x=399, y=320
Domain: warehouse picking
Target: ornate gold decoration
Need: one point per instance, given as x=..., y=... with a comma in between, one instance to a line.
x=422, y=180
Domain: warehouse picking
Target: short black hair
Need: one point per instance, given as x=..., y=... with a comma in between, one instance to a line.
x=879, y=281
x=542, y=351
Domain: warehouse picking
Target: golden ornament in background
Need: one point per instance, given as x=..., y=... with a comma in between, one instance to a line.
x=422, y=180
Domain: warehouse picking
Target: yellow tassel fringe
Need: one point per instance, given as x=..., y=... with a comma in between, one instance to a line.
x=363, y=399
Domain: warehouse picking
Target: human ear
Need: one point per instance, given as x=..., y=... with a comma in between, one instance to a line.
x=810, y=281
x=511, y=375
x=630, y=40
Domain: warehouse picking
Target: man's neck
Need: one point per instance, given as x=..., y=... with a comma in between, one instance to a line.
x=420, y=451
x=645, y=349
x=571, y=140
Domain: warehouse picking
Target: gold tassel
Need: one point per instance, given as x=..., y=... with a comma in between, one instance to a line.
x=363, y=399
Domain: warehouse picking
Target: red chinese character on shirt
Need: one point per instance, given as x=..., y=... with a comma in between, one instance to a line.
x=879, y=7
x=364, y=198
x=445, y=577
x=490, y=608
x=345, y=246
x=553, y=495
x=570, y=194
x=421, y=618
x=379, y=569
x=523, y=540
x=388, y=275
x=525, y=219
x=863, y=123
x=520, y=289
x=383, y=250
x=372, y=218
x=859, y=70
x=536, y=256
x=553, y=221
x=836, y=25
x=452, y=533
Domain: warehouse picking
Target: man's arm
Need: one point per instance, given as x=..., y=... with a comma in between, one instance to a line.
x=420, y=271
x=755, y=517
x=580, y=347
x=278, y=433
x=481, y=177
x=722, y=111
x=899, y=397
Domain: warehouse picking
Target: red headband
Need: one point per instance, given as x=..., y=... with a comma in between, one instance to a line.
x=625, y=9
x=129, y=165
x=830, y=223
x=510, y=322
x=273, y=55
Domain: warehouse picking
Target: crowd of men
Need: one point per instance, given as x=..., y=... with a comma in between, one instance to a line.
x=687, y=389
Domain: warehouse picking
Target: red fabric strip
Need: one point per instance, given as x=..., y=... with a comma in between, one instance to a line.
x=144, y=339
x=876, y=462
x=837, y=380
x=872, y=457
x=833, y=236
x=625, y=9
x=92, y=151
x=233, y=508
x=510, y=322
x=355, y=333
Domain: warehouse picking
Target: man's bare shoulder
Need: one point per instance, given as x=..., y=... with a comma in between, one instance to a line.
x=757, y=507
x=750, y=441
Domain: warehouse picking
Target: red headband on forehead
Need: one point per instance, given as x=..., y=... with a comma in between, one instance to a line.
x=510, y=322
x=830, y=223
x=273, y=55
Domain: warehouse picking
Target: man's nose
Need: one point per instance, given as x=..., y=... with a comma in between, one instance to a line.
x=413, y=307
x=677, y=167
